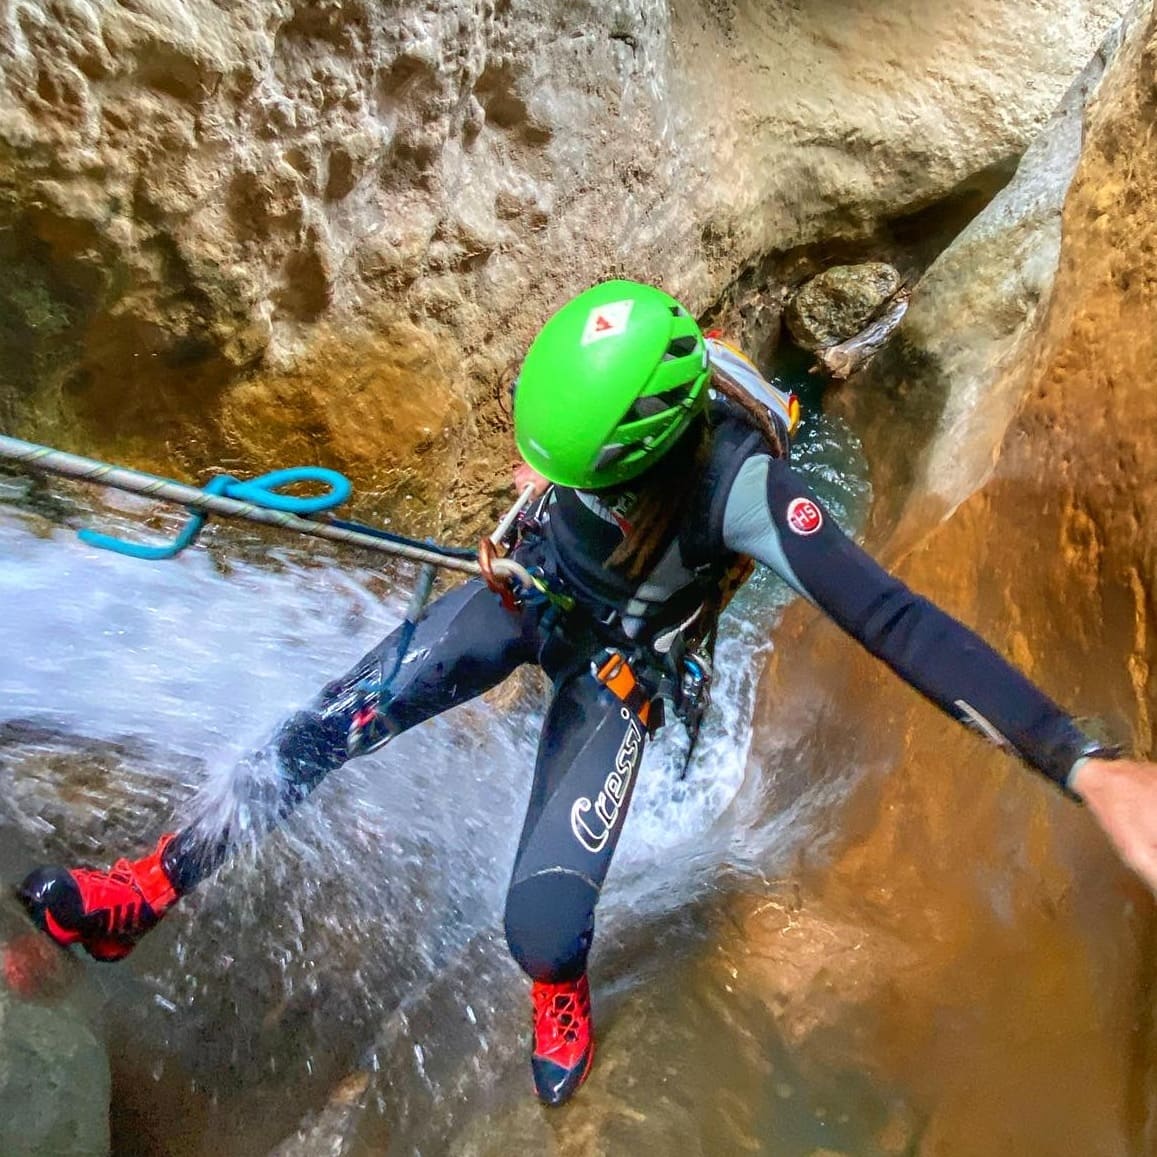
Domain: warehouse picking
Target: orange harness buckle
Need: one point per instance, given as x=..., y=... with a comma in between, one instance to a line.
x=616, y=675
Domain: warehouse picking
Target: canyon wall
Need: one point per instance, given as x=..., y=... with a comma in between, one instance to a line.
x=321, y=231
x=980, y=941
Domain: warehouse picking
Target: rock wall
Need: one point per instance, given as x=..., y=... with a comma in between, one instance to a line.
x=934, y=406
x=54, y=1073
x=262, y=232
x=990, y=956
x=338, y=222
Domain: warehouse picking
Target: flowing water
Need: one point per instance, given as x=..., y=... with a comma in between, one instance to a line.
x=364, y=936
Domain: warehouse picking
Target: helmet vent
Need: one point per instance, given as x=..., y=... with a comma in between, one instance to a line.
x=650, y=405
x=610, y=454
x=681, y=347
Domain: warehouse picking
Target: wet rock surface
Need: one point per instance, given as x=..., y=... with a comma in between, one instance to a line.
x=837, y=304
x=221, y=222
x=54, y=1073
x=850, y=357
x=1020, y=1007
x=935, y=404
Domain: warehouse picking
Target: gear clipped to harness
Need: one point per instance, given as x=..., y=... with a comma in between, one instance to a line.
x=690, y=660
x=694, y=699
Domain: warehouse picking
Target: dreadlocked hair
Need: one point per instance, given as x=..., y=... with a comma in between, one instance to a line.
x=665, y=488
x=659, y=499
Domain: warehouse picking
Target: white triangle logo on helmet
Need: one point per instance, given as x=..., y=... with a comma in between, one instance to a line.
x=606, y=321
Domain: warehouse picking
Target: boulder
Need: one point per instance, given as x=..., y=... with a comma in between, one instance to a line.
x=837, y=304
x=54, y=1073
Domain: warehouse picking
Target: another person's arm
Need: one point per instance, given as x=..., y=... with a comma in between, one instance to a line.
x=525, y=476
x=1122, y=795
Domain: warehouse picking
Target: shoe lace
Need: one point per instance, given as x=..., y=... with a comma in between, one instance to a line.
x=558, y=1014
x=120, y=902
x=122, y=873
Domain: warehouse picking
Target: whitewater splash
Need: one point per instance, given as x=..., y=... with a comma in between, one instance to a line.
x=271, y=983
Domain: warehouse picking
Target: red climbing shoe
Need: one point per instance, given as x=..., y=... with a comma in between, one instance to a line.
x=564, y=1043
x=106, y=913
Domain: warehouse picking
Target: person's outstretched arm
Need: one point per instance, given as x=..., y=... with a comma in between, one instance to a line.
x=772, y=516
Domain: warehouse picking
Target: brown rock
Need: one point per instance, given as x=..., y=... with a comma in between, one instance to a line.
x=851, y=356
x=838, y=303
x=954, y=375
x=199, y=198
x=1021, y=1005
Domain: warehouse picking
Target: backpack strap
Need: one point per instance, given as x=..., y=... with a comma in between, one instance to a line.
x=701, y=535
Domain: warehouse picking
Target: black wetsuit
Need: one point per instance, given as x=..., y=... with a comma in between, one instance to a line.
x=748, y=504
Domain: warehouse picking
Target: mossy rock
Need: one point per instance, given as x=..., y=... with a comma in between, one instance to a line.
x=838, y=303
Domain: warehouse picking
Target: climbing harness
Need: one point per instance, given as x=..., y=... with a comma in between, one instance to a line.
x=613, y=670
x=260, y=500
x=521, y=523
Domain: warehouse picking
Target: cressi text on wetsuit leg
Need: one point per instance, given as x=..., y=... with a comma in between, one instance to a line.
x=588, y=760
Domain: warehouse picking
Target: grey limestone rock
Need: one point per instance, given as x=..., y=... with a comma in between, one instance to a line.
x=54, y=1077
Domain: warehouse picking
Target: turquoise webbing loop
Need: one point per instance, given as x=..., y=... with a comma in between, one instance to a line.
x=261, y=491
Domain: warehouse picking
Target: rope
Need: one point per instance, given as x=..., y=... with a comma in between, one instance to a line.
x=414, y=612
x=254, y=501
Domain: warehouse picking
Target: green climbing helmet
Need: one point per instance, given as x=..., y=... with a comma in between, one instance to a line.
x=608, y=385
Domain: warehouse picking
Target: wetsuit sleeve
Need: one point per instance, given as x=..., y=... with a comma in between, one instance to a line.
x=773, y=517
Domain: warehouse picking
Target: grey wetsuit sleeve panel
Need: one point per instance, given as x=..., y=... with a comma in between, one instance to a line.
x=748, y=527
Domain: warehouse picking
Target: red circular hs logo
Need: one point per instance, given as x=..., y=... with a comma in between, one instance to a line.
x=804, y=516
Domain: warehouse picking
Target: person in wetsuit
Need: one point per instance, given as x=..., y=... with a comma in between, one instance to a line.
x=660, y=477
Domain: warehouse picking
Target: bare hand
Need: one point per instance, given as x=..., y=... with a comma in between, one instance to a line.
x=1122, y=795
x=525, y=476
